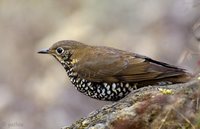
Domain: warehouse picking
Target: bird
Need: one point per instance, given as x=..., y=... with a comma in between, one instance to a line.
x=110, y=74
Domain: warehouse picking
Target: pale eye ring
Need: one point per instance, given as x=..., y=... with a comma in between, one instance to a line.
x=60, y=50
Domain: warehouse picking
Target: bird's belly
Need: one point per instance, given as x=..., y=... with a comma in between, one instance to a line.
x=102, y=91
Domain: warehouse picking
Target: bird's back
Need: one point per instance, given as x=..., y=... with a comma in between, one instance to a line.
x=113, y=65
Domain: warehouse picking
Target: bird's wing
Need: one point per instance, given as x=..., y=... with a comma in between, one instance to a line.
x=112, y=65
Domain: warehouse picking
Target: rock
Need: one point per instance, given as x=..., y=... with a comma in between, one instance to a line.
x=153, y=107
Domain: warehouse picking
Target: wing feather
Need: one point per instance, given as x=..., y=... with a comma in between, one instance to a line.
x=112, y=65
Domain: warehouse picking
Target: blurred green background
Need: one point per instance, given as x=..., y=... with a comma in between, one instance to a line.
x=34, y=89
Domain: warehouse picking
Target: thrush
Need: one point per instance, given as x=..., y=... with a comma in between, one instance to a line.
x=110, y=74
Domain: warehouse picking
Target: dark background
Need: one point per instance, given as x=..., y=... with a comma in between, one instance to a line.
x=34, y=89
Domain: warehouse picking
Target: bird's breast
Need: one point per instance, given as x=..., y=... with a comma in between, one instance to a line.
x=99, y=90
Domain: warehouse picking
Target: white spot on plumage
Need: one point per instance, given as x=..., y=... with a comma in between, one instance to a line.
x=98, y=90
x=119, y=89
x=62, y=62
x=103, y=92
x=127, y=85
x=77, y=80
x=108, y=92
x=83, y=85
x=113, y=86
x=89, y=93
x=89, y=83
x=91, y=88
x=105, y=84
x=71, y=69
x=124, y=89
x=74, y=74
x=95, y=95
x=120, y=94
x=109, y=97
x=83, y=80
x=108, y=87
x=135, y=86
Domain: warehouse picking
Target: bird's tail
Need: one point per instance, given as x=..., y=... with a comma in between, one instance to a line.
x=182, y=78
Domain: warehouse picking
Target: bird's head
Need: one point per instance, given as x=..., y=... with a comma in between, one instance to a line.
x=63, y=50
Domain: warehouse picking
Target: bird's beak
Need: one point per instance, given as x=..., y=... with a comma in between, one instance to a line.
x=44, y=51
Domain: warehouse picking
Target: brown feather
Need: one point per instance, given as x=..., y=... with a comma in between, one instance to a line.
x=112, y=65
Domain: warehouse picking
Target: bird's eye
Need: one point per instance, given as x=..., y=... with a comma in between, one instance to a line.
x=59, y=50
